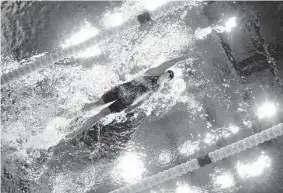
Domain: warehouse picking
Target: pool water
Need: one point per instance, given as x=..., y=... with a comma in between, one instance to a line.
x=210, y=103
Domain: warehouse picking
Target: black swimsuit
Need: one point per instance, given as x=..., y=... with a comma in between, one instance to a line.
x=125, y=94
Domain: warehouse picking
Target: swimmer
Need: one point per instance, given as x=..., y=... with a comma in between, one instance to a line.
x=125, y=96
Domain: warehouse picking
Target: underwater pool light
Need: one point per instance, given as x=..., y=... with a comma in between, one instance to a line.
x=89, y=52
x=224, y=180
x=185, y=188
x=227, y=27
x=231, y=23
x=266, y=110
x=130, y=167
x=86, y=32
x=113, y=19
x=204, y=32
x=253, y=169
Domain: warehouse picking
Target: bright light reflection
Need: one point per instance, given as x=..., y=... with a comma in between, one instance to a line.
x=113, y=20
x=84, y=34
x=188, y=148
x=164, y=157
x=231, y=23
x=253, y=169
x=247, y=123
x=234, y=129
x=130, y=167
x=225, y=180
x=185, y=188
x=209, y=139
x=267, y=110
x=89, y=52
x=152, y=5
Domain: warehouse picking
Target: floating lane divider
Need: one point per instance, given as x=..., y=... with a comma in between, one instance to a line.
x=209, y=158
x=103, y=35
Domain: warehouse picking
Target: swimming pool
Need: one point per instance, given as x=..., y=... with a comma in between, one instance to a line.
x=210, y=103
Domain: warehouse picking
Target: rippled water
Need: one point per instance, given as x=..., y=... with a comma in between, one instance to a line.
x=202, y=105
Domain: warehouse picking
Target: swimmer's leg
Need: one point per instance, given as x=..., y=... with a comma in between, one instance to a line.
x=90, y=122
x=89, y=106
x=108, y=97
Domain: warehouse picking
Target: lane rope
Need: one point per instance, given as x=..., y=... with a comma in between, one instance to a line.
x=103, y=35
x=209, y=158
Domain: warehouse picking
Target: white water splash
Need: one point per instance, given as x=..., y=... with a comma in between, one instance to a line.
x=164, y=157
x=223, y=180
x=51, y=135
x=255, y=168
x=89, y=52
x=202, y=33
x=86, y=32
x=130, y=168
x=267, y=110
x=188, y=148
x=185, y=188
x=152, y=5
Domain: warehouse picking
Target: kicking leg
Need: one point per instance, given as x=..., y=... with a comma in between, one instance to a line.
x=90, y=122
x=108, y=97
x=89, y=106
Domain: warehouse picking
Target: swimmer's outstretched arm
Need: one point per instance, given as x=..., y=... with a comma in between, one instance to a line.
x=156, y=71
